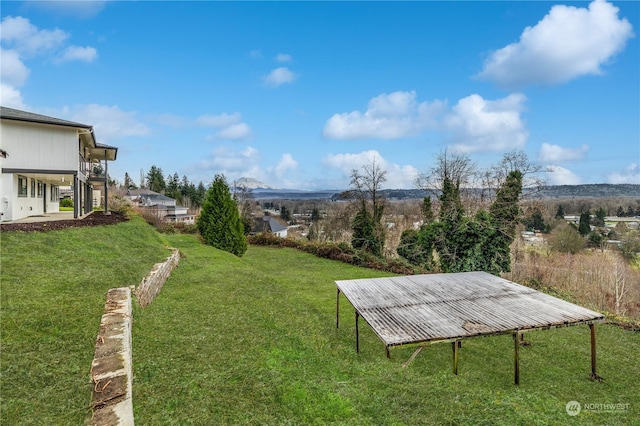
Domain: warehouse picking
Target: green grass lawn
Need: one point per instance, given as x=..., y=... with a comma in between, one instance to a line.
x=252, y=340
x=52, y=296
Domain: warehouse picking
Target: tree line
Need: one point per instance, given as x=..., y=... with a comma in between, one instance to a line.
x=186, y=193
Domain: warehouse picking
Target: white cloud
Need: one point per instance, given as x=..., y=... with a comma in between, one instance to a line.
x=630, y=175
x=255, y=54
x=388, y=116
x=21, y=41
x=77, y=53
x=286, y=163
x=11, y=97
x=283, y=57
x=567, y=43
x=110, y=122
x=24, y=37
x=232, y=163
x=230, y=125
x=398, y=176
x=13, y=71
x=20, y=35
x=235, y=132
x=279, y=76
x=555, y=153
x=561, y=176
x=476, y=124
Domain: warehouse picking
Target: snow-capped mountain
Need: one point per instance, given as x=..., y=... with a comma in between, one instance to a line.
x=251, y=183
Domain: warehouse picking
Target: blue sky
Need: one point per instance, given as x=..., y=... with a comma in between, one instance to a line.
x=297, y=94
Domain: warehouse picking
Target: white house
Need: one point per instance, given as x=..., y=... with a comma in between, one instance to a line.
x=269, y=224
x=164, y=207
x=39, y=155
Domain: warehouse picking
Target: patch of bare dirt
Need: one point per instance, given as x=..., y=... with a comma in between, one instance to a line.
x=94, y=219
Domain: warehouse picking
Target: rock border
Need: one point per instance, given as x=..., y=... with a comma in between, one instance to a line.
x=151, y=285
x=111, y=369
x=112, y=366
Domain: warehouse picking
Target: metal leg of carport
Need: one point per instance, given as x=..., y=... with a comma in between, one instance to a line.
x=594, y=374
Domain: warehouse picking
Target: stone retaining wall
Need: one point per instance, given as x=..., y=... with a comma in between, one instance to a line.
x=111, y=370
x=151, y=285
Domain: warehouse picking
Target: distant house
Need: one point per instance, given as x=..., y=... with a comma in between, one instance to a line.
x=164, y=207
x=40, y=154
x=270, y=225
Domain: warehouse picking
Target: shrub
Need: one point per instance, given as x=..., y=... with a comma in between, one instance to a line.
x=341, y=252
x=66, y=202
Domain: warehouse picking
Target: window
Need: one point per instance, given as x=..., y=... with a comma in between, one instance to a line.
x=22, y=186
x=39, y=189
x=33, y=188
x=55, y=193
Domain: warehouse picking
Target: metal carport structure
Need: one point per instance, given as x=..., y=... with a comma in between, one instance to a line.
x=418, y=310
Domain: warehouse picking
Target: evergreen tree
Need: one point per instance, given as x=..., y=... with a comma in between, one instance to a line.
x=427, y=210
x=173, y=188
x=285, y=214
x=128, y=182
x=198, y=195
x=364, y=237
x=535, y=221
x=600, y=214
x=155, y=180
x=368, y=232
x=560, y=212
x=315, y=215
x=584, y=225
x=416, y=248
x=219, y=222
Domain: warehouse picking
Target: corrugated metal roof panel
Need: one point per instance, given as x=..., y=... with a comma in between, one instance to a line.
x=424, y=308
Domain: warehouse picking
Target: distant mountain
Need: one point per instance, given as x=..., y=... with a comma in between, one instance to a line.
x=262, y=191
x=251, y=183
x=591, y=190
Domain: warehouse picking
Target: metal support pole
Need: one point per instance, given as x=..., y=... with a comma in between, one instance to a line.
x=337, y=308
x=76, y=198
x=357, y=336
x=594, y=374
x=516, y=359
x=386, y=348
x=106, y=184
x=454, y=346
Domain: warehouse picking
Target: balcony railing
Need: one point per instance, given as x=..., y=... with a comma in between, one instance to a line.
x=93, y=169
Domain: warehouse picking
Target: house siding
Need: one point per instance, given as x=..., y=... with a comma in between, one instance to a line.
x=39, y=146
x=48, y=152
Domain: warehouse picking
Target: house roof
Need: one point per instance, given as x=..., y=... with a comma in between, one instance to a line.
x=274, y=224
x=16, y=114
x=98, y=150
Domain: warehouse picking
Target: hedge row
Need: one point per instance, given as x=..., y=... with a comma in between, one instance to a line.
x=341, y=252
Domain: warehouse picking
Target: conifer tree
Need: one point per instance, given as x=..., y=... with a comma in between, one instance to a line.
x=219, y=222
x=583, y=227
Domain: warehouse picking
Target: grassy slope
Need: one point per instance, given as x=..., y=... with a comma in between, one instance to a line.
x=253, y=340
x=53, y=288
